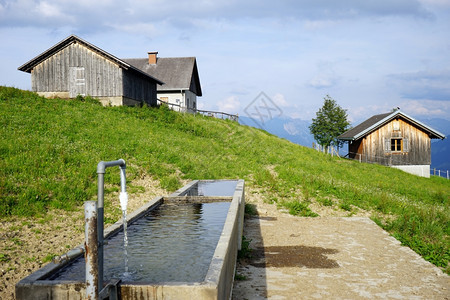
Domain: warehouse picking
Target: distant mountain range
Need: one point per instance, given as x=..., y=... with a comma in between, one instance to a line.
x=440, y=149
x=297, y=131
x=294, y=130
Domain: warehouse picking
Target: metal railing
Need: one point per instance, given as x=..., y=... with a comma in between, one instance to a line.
x=329, y=150
x=218, y=115
x=208, y=113
x=391, y=160
x=440, y=173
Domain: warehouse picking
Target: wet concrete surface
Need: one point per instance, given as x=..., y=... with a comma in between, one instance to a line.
x=293, y=256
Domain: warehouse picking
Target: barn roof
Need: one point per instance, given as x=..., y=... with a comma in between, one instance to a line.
x=28, y=66
x=375, y=122
x=178, y=73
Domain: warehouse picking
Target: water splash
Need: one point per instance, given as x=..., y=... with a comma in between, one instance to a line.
x=125, y=241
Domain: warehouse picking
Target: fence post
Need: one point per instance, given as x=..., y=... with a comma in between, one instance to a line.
x=439, y=173
x=434, y=172
x=447, y=174
x=359, y=157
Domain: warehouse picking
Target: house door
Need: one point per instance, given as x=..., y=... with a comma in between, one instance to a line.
x=77, y=82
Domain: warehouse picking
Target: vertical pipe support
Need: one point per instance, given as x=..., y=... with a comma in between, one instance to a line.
x=100, y=200
x=91, y=250
x=101, y=169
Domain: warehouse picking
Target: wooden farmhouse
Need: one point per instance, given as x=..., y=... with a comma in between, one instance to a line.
x=75, y=67
x=393, y=139
x=180, y=76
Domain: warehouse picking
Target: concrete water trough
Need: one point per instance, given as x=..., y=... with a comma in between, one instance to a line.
x=214, y=280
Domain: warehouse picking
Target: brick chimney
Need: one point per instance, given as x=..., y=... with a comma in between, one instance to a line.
x=152, y=57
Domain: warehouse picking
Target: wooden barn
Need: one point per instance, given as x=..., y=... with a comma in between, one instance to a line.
x=393, y=139
x=75, y=67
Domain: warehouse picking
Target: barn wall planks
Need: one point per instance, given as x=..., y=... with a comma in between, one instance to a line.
x=101, y=75
x=137, y=87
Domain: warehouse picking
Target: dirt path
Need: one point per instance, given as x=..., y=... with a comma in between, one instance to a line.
x=331, y=258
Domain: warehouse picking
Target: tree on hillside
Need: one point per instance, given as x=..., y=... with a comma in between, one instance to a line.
x=330, y=122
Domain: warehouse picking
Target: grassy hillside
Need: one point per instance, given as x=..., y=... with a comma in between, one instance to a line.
x=50, y=149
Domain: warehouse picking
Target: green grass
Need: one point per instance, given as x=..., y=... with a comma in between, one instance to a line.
x=50, y=149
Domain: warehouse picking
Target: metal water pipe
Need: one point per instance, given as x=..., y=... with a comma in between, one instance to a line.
x=101, y=168
x=91, y=246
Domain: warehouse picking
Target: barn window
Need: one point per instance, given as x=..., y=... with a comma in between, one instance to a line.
x=396, y=125
x=396, y=145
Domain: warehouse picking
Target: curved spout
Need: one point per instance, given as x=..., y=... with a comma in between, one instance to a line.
x=105, y=164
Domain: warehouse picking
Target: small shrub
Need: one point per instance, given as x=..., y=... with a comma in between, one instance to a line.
x=250, y=209
x=109, y=220
x=240, y=277
x=246, y=251
x=298, y=208
x=325, y=201
x=345, y=206
x=87, y=99
x=48, y=257
x=4, y=257
x=170, y=183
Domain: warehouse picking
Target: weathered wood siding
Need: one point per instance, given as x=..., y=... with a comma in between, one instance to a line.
x=372, y=147
x=102, y=77
x=140, y=88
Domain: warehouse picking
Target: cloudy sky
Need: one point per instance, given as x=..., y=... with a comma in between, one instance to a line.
x=368, y=55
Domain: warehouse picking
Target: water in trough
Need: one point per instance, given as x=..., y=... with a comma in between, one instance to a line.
x=172, y=243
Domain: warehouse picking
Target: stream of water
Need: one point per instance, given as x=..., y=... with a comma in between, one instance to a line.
x=125, y=241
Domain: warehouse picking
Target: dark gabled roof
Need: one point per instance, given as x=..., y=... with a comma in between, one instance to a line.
x=375, y=122
x=28, y=66
x=178, y=73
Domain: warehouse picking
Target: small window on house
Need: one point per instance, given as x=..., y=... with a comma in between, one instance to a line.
x=396, y=145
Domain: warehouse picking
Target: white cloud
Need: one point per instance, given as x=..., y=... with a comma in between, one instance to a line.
x=441, y=3
x=157, y=11
x=280, y=100
x=414, y=108
x=319, y=24
x=358, y=113
x=320, y=82
x=229, y=105
x=429, y=84
x=48, y=10
x=426, y=108
x=145, y=29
